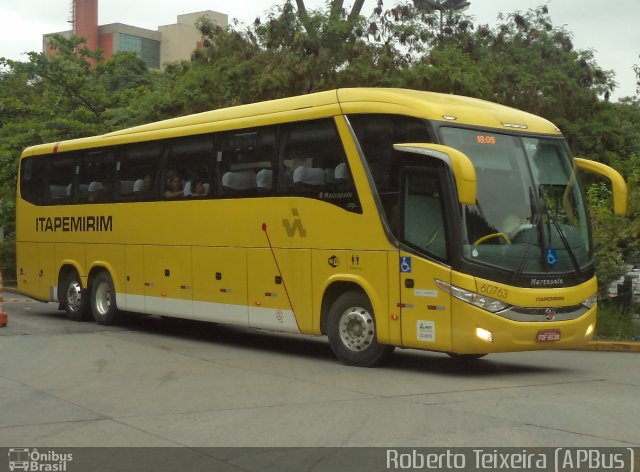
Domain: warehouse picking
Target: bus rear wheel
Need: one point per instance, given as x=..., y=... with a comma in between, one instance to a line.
x=352, y=331
x=74, y=298
x=103, y=299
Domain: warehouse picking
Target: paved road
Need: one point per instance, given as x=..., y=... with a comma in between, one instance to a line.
x=149, y=382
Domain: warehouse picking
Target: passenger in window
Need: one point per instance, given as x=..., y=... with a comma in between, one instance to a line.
x=198, y=189
x=144, y=188
x=101, y=192
x=175, y=188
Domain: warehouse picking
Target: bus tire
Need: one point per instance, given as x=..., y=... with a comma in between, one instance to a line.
x=75, y=299
x=103, y=299
x=351, y=329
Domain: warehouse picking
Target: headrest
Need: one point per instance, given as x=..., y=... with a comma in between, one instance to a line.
x=342, y=172
x=309, y=175
x=242, y=180
x=264, y=179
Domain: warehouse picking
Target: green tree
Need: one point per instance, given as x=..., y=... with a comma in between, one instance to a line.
x=72, y=94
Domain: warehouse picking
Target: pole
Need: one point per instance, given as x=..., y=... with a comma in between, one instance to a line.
x=3, y=315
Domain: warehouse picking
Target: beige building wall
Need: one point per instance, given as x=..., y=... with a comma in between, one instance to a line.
x=179, y=40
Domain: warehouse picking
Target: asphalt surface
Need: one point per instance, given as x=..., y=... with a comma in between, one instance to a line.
x=153, y=382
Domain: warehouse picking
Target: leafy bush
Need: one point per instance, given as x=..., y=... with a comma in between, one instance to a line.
x=615, y=322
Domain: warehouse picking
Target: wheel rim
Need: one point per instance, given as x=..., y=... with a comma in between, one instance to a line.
x=74, y=296
x=356, y=329
x=103, y=298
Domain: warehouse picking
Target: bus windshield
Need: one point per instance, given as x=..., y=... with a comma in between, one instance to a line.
x=530, y=215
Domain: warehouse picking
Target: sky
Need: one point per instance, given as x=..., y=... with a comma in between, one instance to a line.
x=612, y=33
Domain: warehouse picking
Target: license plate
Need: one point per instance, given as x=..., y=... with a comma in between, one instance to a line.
x=548, y=336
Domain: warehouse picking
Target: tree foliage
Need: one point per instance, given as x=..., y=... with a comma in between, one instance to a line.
x=524, y=61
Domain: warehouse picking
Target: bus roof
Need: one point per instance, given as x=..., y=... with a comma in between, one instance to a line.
x=428, y=105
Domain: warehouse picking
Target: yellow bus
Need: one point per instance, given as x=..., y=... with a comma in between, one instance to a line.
x=377, y=217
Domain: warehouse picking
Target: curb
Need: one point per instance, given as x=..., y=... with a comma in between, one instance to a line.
x=611, y=346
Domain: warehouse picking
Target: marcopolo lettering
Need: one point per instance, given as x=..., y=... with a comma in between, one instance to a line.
x=74, y=224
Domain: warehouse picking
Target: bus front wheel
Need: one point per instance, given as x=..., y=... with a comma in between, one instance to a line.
x=103, y=299
x=352, y=331
x=74, y=298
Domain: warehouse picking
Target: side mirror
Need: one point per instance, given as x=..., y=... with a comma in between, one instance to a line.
x=618, y=184
x=461, y=166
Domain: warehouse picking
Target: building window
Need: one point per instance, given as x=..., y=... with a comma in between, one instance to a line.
x=147, y=49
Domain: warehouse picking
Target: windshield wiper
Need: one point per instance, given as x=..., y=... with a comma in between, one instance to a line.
x=563, y=237
x=566, y=244
x=535, y=223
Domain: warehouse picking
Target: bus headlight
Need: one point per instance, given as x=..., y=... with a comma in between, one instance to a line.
x=592, y=300
x=481, y=301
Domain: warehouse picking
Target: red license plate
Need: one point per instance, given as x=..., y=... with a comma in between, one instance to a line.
x=548, y=336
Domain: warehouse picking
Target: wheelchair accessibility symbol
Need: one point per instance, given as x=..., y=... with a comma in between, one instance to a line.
x=405, y=264
x=552, y=257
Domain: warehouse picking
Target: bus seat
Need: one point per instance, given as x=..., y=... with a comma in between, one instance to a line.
x=264, y=181
x=238, y=182
x=58, y=191
x=308, y=178
x=341, y=172
x=329, y=176
x=94, y=186
x=342, y=177
x=83, y=190
x=138, y=184
x=126, y=187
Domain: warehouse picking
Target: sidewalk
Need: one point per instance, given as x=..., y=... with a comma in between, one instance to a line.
x=611, y=346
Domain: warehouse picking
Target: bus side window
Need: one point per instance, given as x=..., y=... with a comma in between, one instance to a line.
x=312, y=163
x=190, y=159
x=34, y=173
x=245, y=162
x=61, y=178
x=95, y=176
x=138, y=166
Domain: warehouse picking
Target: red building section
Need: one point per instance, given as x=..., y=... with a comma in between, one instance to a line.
x=85, y=21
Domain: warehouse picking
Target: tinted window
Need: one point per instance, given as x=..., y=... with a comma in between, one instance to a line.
x=138, y=166
x=312, y=163
x=188, y=167
x=245, y=162
x=95, y=176
x=61, y=177
x=33, y=180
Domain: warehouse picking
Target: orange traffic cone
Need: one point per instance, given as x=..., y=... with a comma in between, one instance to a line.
x=3, y=315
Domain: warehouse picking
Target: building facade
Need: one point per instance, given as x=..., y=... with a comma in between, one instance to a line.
x=169, y=43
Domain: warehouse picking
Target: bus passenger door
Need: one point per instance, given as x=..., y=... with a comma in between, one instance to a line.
x=425, y=310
